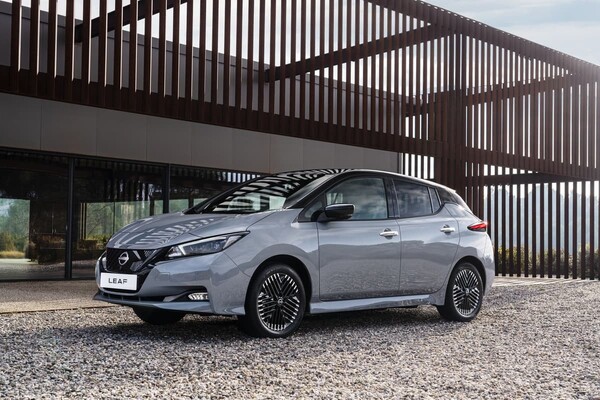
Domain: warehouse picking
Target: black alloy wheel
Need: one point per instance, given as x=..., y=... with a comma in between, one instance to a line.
x=464, y=294
x=275, y=303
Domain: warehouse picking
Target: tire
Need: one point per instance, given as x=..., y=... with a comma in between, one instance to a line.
x=275, y=303
x=464, y=294
x=158, y=317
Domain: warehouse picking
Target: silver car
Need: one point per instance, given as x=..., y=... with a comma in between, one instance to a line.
x=278, y=247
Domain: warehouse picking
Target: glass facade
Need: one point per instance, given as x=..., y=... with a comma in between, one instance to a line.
x=41, y=195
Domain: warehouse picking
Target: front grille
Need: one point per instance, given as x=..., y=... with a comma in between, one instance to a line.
x=133, y=298
x=126, y=261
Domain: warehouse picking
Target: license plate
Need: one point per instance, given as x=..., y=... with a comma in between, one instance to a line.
x=118, y=281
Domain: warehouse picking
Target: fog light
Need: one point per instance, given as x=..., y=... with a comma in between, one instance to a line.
x=201, y=296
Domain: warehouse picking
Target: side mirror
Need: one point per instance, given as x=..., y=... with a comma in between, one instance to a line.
x=339, y=211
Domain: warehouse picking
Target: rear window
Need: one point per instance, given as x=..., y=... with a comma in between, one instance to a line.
x=447, y=196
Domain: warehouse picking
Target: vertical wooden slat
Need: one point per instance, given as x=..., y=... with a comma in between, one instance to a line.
x=302, y=99
x=330, y=70
x=594, y=160
x=133, y=51
x=15, y=44
x=410, y=70
x=312, y=101
x=202, y=89
x=365, y=75
x=118, y=54
x=418, y=96
x=397, y=79
x=358, y=28
x=322, y=69
x=582, y=224
x=102, y=44
x=349, y=29
x=566, y=231
x=272, y=63
x=225, y=87
x=85, y=53
x=175, y=59
x=189, y=58
x=373, y=81
x=388, y=73
x=69, y=49
x=293, y=128
x=380, y=58
x=162, y=54
x=34, y=44
x=148, y=57
x=214, y=64
x=250, y=64
x=282, y=62
x=51, y=60
x=340, y=69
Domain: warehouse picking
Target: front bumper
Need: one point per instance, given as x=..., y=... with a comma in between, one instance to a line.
x=200, y=307
x=167, y=283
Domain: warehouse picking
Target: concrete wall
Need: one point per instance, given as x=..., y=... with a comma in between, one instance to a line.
x=36, y=124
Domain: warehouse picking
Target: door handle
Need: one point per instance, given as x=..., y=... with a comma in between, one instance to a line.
x=447, y=229
x=388, y=233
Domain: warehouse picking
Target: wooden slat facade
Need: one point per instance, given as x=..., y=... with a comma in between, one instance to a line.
x=511, y=125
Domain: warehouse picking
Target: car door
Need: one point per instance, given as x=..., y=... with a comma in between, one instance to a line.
x=359, y=257
x=430, y=238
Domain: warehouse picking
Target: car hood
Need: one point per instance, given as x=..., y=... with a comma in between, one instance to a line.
x=171, y=229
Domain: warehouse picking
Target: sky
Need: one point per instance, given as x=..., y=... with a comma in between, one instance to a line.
x=570, y=26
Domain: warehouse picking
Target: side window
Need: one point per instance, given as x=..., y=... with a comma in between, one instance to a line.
x=413, y=199
x=445, y=196
x=450, y=197
x=435, y=201
x=367, y=195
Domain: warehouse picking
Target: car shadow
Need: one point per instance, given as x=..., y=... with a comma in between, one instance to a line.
x=203, y=329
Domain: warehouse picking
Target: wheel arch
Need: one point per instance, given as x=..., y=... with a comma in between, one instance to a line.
x=477, y=263
x=295, y=264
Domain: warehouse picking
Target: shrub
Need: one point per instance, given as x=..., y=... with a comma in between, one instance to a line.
x=12, y=254
x=7, y=242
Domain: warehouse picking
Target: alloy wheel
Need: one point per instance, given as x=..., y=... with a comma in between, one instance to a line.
x=466, y=292
x=278, y=302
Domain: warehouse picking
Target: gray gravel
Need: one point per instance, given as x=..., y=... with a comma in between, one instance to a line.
x=528, y=342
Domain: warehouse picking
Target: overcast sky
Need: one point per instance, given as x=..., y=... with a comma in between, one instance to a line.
x=570, y=26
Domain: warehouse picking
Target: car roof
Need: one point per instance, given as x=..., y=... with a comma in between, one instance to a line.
x=352, y=171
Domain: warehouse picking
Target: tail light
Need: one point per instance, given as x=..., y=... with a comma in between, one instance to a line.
x=478, y=226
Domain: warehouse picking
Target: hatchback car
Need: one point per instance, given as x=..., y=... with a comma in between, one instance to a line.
x=278, y=247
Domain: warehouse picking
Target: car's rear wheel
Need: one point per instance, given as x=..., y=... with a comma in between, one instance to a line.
x=464, y=294
x=158, y=317
x=275, y=303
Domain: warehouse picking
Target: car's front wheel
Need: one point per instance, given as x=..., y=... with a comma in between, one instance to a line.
x=158, y=317
x=275, y=303
x=464, y=294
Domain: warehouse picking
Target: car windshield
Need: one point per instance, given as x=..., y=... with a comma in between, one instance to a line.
x=264, y=194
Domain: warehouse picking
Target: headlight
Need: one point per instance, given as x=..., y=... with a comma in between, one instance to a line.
x=205, y=246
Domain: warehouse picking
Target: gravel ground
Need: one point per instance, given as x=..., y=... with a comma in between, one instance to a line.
x=528, y=342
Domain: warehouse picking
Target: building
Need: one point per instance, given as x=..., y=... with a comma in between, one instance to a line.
x=103, y=124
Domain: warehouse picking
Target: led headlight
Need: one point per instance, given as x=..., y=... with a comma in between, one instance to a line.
x=200, y=247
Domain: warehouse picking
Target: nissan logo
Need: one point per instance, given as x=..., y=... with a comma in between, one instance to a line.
x=123, y=258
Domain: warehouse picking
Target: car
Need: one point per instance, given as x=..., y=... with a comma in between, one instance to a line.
x=278, y=247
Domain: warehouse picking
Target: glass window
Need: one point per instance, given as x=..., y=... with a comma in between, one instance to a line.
x=33, y=216
x=192, y=186
x=447, y=196
x=264, y=194
x=413, y=199
x=107, y=196
x=435, y=201
x=367, y=195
